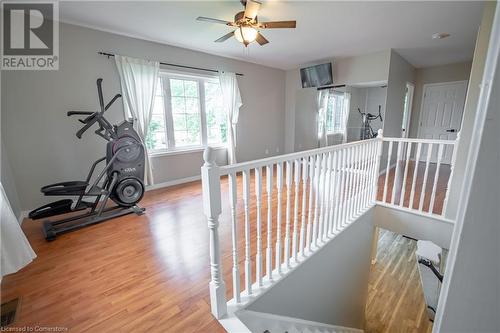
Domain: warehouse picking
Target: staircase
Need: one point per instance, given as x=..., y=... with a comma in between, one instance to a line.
x=309, y=199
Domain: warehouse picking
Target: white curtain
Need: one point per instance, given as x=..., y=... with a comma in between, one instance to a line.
x=16, y=251
x=138, y=79
x=322, y=107
x=232, y=103
x=345, y=115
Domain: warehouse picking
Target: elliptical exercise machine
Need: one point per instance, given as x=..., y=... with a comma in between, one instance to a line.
x=367, y=131
x=120, y=180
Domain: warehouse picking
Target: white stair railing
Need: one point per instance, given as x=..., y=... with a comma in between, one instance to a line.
x=412, y=173
x=326, y=190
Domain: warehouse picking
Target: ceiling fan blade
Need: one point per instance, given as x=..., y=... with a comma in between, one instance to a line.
x=277, y=24
x=212, y=20
x=225, y=37
x=251, y=9
x=261, y=39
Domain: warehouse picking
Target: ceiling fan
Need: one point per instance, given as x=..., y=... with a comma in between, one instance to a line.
x=247, y=26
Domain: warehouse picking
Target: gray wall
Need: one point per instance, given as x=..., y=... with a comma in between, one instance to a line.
x=470, y=299
x=473, y=90
x=369, y=68
x=336, y=293
x=8, y=183
x=40, y=140
x=436, y=74
x=400, y=72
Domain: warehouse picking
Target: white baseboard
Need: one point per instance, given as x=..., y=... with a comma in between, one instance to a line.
x=23, y=215
x=173, y=182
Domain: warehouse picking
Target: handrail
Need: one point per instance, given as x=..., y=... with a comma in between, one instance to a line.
x=412, y=140
x=288, y=157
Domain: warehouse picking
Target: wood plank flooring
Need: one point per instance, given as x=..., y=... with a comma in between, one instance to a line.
x=395, y=298
x=139, y=273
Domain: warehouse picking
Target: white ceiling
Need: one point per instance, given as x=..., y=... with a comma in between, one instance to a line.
x=324, y=29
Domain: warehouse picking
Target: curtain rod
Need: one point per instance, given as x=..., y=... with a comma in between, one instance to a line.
x=174, y=65
x=330, y=87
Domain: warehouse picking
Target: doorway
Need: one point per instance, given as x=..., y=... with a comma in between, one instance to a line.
x=441, y=113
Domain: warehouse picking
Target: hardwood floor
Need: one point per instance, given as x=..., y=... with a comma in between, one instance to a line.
x=395, y=298
x=441, y=185
x=139, y=273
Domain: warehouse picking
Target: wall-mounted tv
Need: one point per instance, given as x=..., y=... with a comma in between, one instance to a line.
x=316, y=76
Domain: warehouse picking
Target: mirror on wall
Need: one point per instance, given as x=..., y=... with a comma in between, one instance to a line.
x=349, y=109
x=367, y=110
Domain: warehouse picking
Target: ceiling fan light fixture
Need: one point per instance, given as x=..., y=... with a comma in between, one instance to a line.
x=246, y=35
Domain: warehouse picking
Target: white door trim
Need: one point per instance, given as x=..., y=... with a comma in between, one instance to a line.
x=424, y=89
x=411, y=94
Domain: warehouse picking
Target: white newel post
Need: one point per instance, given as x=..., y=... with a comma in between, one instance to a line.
x=380, y=146
x=210, y=177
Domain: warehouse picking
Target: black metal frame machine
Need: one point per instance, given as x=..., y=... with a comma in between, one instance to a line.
x=367, y=131
x=120, y=180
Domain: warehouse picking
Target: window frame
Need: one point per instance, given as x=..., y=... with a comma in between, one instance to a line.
x=200, y=79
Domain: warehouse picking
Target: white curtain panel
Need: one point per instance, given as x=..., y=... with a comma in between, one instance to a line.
x=345, y=117
x=232, y=103
x=16, y=251
x=138, y=79
x=322, y=106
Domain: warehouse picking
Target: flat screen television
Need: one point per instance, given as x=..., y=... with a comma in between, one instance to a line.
x=316, y=76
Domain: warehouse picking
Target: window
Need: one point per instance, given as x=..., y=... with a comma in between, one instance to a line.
x=188, y=113
x=336, y=113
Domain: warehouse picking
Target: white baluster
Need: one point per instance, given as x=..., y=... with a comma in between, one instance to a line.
x=317, y=203
x=371, y=173
x=322, y=193
x=389, y=153
x=452, y=167
x=343, y=189
x=279, y=188
x=258, y=201
x=289, y=172
x=430, y=147
x=269, y=248
x=248, y=262
x=415, y=173
x=395, y=184
x=405, y=176
x=296, y=210
x=329, y=194
x=233, y=197
x=304, y=206
x=338, y=177
x=436, y=177
x=210, y=178
x=367, y=153
x=312, y=163
x=357, y=173
x=376, y=167
x=350, y=154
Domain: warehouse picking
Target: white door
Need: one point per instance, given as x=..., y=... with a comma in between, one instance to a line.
x=441, y=115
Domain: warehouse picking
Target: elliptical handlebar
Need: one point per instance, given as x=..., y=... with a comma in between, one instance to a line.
x=370, y=116
x=105, y=129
